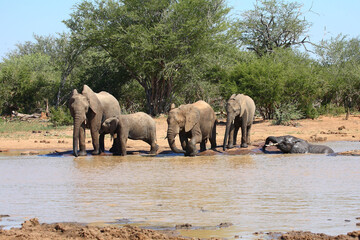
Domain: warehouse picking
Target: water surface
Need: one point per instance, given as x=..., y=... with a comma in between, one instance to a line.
x=273, y=192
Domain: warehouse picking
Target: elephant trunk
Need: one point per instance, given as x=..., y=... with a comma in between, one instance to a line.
x=171, y=140
x=272, y=139
x=76, y=133
x=229, y=121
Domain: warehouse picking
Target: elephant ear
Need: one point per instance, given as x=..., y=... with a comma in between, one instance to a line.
x=192, y=117
x=74, y=92
x=242, y=107
x=172, y=106
x=71, y=99
x=93, y=100
x=114, y=123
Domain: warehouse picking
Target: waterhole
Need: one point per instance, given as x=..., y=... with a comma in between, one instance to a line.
x=221, y=195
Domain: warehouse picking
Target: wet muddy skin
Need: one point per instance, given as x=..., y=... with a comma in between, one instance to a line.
x=249, y=193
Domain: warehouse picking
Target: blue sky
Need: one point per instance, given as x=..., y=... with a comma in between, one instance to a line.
x=20, y=19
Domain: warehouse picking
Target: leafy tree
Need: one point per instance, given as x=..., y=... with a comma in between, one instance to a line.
x=273, y=24
x=281, y=79
x=26, y=81
x=162, y=44
x=63, y=52
x=341, y=61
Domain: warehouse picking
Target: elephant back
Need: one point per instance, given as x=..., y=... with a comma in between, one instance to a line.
x=110, y=105
x=207, y=118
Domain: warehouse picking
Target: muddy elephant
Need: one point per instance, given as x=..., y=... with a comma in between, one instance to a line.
x=89, y=109
x=291, y=144
x=240, y=111
x=136, y=126
x=195, y=123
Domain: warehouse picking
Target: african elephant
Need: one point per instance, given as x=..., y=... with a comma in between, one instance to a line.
x=89, y=109
x=197, y=122
x=240, y=110
x=291, y=144
x=136, y=126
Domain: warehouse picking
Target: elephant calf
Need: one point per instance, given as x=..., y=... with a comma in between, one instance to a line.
x=136, y=126
x=291, y=144
x=195, y=123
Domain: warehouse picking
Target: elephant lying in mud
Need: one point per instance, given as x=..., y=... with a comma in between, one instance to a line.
x=291, y=144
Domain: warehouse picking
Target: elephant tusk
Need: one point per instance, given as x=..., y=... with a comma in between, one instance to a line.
x=271, y=144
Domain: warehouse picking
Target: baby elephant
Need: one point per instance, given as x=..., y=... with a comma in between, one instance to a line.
x=291, y=144
x=136, y=126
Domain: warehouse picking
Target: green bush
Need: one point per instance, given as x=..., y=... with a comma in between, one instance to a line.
x=312, y=113
x=331, y=109
x=60, y=116
x=285, y=113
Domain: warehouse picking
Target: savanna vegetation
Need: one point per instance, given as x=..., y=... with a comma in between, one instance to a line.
x=149, y=54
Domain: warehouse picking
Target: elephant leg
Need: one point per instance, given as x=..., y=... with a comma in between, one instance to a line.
x=236, y=131
x=248, y=134
x=237, y=125
x=123, y=136
x=213, y=137
x=115, y=147
x=191, y=146
x=82, y=146
x=95, y=142
x=122, y=149
x=244, y=134
x=153, y=146
x=231, y=136
x=203, y=145
x=101, y=142
x=183, y=140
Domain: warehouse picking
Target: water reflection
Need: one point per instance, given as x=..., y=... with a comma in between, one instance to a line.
x=253, y=192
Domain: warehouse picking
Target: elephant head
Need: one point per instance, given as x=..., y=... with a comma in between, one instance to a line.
x=284, y=143
x=180, y=121
x=233, y=108
x=109, y=126
x=83, y=108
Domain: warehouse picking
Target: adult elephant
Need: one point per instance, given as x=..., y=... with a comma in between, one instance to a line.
x=291, y=144
x=89, y=109
x=240, y=111
x=195, y=123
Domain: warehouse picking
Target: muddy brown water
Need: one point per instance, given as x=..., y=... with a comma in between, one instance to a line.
x=254, y=193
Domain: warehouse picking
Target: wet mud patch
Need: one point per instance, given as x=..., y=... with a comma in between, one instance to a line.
x=32, y=229
x=350, y=153
x=300, y=235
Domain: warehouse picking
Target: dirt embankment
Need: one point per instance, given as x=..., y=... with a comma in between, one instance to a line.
x=33, y=230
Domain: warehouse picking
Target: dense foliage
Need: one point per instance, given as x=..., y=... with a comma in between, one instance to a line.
x=149, y=54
